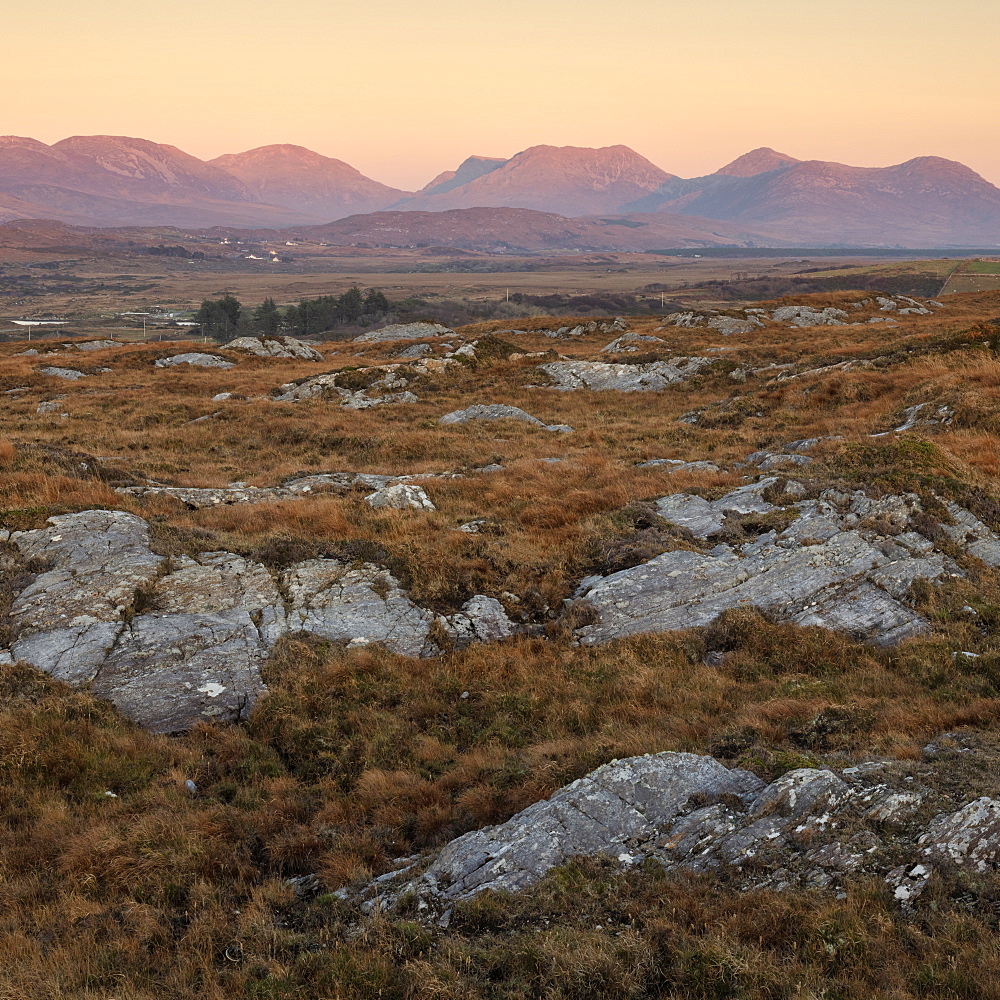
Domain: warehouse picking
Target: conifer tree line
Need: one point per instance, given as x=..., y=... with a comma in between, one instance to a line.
x=225, y=318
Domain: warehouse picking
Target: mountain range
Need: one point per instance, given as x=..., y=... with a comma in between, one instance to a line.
x=554, y=197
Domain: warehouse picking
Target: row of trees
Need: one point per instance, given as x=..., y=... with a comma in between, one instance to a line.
x=225, y=318
x=314, y=316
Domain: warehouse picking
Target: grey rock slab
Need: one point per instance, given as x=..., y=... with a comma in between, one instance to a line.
x=96, y=345
x=826, y=568
x=970, y=836
x=678, y=465
x=704, y=517
x=975, y=537
x=274, y=347
x=167, y=671
x=630, y=342
x=602, y=376
x=98, y=559
x=403, y=331
x=808, y=316
x=401, y=496
x=768, y=460
x=358, y=604
x=499, y=411
x=729, y=326
x=415, y=351
x=606, y=812
x=68, y=374
x=482, y=619
x=197, y=359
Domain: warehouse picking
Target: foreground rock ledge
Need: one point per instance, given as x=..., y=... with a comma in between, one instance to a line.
x=810, y=827
x=171, y=641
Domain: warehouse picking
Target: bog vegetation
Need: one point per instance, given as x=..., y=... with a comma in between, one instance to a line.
x=117, y=881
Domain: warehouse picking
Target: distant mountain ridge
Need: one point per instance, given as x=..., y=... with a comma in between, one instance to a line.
x=765, y=194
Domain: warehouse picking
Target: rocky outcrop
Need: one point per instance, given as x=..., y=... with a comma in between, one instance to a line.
x=842, y=561
x=174, y=640
x=618, y=805
x=618, y=325
x=808, y=316
x=196, y=497
x=811, y=827
x=630, y=342
x=363, y=388
x=274, y=347
x=921, y=416
x=602, y=376
x=403, y=331
x=500, y=411
x=196, y=359
x=401, y=496
x=360, y=605
x=68, y=374
x=729, y=326
x=482, y=619
x=94, y=345
x=678, y=465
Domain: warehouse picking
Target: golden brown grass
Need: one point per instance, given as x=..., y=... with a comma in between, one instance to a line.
x=356, y=757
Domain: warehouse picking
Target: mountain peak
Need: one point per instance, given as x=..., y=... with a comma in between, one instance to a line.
x=285, y=174
x=568, y=180
x=757, y=161
x=470, y=168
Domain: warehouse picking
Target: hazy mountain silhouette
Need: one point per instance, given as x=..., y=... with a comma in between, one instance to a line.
x=764, y=195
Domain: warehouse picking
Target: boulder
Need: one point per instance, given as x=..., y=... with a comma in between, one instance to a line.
x=602, y=376
x=482, y=619
x=401, y=496
x=403, y=331
x=197, y=359
x=499, y=411
x=274, y=347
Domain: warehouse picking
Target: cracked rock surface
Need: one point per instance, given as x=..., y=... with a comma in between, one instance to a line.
x=199, y=360
x=274, y=347
x=841, y=561
x=403, y=331
x=500, y=411
x=197, y=497
x=381, y=385
x=174, y=640
x=812, y=827
x=601, y=375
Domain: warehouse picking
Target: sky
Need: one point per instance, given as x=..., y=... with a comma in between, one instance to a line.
x=403, y=89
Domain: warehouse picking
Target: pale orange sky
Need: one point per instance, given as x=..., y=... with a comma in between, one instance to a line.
x=403, y=89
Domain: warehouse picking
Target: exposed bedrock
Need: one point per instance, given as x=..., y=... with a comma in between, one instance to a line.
x=843, y=561
x=173, y=640
x=811, y=827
